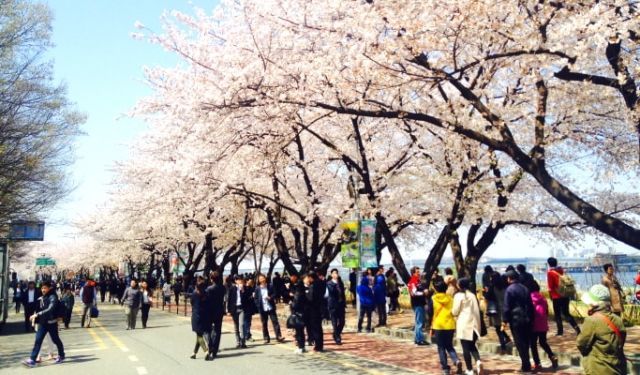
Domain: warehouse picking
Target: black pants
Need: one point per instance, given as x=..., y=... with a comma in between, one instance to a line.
x=103, y=293
x=264, y=318
x=394, y=304
x=469, y=349
x=67, y=317
x=365, y=311
x=521, y=337
x=145, y=313
x=315, y=329
x=300, y=337
x=29, y=309
x=560, y=310
x=214, y=337
x=354, y=295
x=540, y=337
x=337, y=321
x=381, y=309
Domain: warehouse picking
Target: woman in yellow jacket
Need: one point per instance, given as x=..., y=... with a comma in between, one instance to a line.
x=443, y=327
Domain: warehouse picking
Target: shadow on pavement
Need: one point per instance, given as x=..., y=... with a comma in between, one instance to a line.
x=235, y=354
x=13, y=328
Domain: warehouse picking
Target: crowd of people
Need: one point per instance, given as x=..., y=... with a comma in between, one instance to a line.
x=443, y=306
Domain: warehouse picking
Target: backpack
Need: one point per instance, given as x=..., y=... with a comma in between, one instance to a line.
x=567, y=286
x=60, y=310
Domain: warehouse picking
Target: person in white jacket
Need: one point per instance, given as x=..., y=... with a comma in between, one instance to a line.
x=467, y=313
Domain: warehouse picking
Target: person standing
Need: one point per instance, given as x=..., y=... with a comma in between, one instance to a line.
x=48, y=324
x=131, y=300
x=366, y=296
x=299, y=307
x=177, y=289
x=380, y=297
x=146, y=302
x=560, y=303
x=315, y=298
x=68, y=299
x=113, y=291
x=443, y=326
x=525, y=277
x=17, y=297
x=238, y=304
x=418, y=302
x=493, y=290
x=278, y=287
x=265, y=300
x=393, y=290
x=540, y=328
x=88, y=296
x=102, y=285
x=603, y=335
x=336, y=304
x=615, y=290
x=518, y=313
x=199, y=314
x=30, y=303
x=215, y=299
x=467, y=313
x=166, y=293
x=353, y=285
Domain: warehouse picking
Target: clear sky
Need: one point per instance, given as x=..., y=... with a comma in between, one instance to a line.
x=101, y=65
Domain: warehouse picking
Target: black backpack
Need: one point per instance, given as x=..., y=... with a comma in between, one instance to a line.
x=60, y=310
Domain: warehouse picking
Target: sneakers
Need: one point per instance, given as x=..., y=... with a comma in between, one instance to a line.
x=59, y=359
x=29, y=362
x=193, y=356
x=479, y=367
x=468, y=372
x=298, y=351
x=554, y=362
x=422, y=343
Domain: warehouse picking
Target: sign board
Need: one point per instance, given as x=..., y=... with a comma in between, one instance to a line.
x=368, y=257
x=26, y=231
x=350, y=248
x=44, y=261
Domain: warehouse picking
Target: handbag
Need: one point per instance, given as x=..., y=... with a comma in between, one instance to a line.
x=94, y=312
x=295, y=321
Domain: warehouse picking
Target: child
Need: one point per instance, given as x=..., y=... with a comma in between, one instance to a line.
x=540, y=328
x=444, y=326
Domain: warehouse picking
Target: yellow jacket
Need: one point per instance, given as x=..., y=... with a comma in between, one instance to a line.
x=442, y=316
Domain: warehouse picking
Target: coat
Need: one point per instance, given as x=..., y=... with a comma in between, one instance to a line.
x=365, y=294
x=215, y=300
x=298, y=300
x=540, y=312
x=258, y=299
x=336, y=301
x=617, y=299
x=518, y=308
x=600, y=346
x=442, y=315
x=245, y=299
x=380, y=290
x=467, y=313
x=200, y=314
x=132, y=297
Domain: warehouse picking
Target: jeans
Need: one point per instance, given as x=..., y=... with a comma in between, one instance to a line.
x=381, y=309
x=419, y=322
x=240, y=326
x=264, y=318
x=444, y=339
x=469, y=349
x=560, y=309
x=521, y=337
x=132, y=316
x=365, y=310
x=337, y=321
x=52, y=330
x=540, y=337
x=145, y=313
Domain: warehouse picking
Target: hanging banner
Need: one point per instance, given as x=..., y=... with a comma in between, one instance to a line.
x=350, y=249
x=368, y=258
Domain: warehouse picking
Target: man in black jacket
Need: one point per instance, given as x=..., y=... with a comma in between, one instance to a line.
x=266, y=305
x=238, y=305
x=47, y=323
x=353, y=285
x=518, y=313
x=336, y=305
x=315, y=298
x=30, y=301
x=215, y=299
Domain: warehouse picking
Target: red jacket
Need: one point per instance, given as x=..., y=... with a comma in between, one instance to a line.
x=553, y=281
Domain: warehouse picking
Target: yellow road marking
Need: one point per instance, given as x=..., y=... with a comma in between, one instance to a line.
x=97, y=339
x=114, y=339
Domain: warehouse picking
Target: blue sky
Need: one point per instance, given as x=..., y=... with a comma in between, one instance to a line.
x=101, y=65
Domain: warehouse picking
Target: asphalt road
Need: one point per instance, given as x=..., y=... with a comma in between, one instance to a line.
x=164, y=348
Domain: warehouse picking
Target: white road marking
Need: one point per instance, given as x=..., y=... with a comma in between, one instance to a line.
x=133, y=358
x=141, y=370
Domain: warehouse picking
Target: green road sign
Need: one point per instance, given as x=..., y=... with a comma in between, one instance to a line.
x=43, y=262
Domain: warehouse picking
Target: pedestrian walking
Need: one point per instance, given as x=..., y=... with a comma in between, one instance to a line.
x=336, y=304
x=601, y=340
x=518, y=313
x=393, y=290
x=418, y=302
x=88, y=296
x=102, y=285
x=615, y=289
x=48, y=324
x=17, y=297
x=131, y=300
x=560, y=303
x=353, y=285
x=298, y=306
x=493, y=292
x=146, y=302
x=251, y=310
x=443, y=326
x=367, y=304
x=238, y=304
x=265, y=300
x=68, y=299
x=215, y=299
x=200, y=324
x=166, y=293
x=315, y=298
x=380, y=297
x=30, y=302
x=468, y=324
x=540, y=328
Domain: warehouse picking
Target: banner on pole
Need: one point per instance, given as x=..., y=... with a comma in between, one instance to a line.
x=368, y=258
x=350, y=249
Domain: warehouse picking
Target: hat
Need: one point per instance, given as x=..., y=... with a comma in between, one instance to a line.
x=596, y=294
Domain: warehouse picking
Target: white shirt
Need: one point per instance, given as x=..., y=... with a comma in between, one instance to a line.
x=264, y=292
x=238, y=300
x=32, y=295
